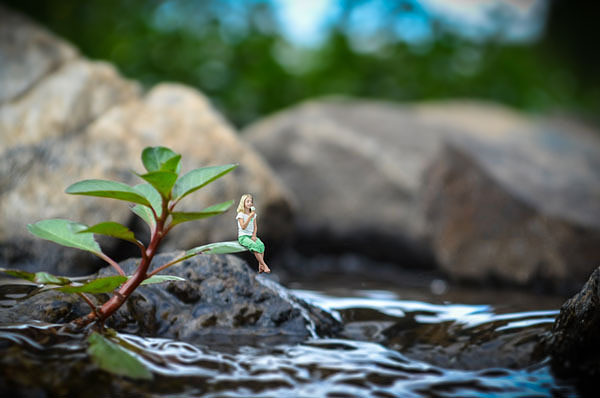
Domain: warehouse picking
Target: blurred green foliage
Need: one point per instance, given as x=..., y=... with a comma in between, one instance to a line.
x=234, y=53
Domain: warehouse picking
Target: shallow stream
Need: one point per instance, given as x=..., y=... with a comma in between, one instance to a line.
x=397, y=342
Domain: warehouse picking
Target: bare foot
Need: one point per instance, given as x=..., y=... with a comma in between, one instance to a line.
x=266, y=268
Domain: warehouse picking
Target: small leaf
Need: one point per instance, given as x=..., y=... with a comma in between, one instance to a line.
x=107, y=189
x=162, y=181
x=115, y=359
x=180, y=217
x=160, y=158
x=113, y=229
x=216, y=248
x=100, y=285
x=161, y=278
x=38, y=277
x=145, y=214
x=66, y=233
x=173, y=164
x=152, y=196
x=198, y=178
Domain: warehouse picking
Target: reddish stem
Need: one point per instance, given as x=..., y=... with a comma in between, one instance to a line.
x=121, y=295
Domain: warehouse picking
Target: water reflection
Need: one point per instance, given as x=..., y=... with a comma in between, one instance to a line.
x=375, y=357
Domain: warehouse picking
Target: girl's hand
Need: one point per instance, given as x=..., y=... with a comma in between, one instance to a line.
x=254, y=238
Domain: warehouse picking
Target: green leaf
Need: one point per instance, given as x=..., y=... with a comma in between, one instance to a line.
x=115, y=359
x=145, y=214
x=198, y=178
x=113, y=229
x=152, y=196
x=173, y=164
x=66, y=233
x=161, y=278
x=160, y=158
x=100, y=285
x=162, y=181
x=216, y=248
x=38, y=277
x=179, y=217
x=107, y=189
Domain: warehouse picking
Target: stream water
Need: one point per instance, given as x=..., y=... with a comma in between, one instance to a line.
x=396, y=343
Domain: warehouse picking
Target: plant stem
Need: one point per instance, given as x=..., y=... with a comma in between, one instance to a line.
x=112, y=263
x=121, y=295
x=89, y=302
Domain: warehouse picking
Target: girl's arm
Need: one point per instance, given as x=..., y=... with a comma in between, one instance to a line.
x=243, y=224
x=255, y=229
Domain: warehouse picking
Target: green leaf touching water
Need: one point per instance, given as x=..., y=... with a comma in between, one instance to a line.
x=115, y=359
x=107, y=189
x=100, y=285
x=180, y=217
x=66, y=233
x=198, y=178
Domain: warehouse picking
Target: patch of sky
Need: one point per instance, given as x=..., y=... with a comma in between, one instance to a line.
x=369, y=24
x=309, y=22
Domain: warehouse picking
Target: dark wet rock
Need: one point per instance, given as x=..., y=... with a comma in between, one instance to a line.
x=377, y=178
x=574, y=343
x=455, y=346
x=221, y=299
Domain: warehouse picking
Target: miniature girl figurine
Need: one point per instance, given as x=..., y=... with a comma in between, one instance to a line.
x=247, y=230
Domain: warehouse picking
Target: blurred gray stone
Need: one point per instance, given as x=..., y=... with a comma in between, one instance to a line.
x=27, y=54
x=482, y=229
x=78, y=120
x=372, y=176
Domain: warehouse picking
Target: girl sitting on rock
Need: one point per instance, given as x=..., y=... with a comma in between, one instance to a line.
x=247, y=230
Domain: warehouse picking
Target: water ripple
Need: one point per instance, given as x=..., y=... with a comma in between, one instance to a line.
x=330, y=367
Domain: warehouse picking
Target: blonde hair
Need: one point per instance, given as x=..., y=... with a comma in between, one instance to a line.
x=240, y=208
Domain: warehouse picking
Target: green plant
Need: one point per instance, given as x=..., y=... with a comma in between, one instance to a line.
x=155, y=202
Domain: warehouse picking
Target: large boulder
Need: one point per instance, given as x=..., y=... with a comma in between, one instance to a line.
x=481, y=228
x=574, y=343
x=354, y=170
x=222, y=299
x=377, y=177
x=75, y=119
x=27, y=54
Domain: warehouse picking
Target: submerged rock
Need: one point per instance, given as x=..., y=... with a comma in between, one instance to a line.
x=574, y=343
x=455, y=346
x=222, y=300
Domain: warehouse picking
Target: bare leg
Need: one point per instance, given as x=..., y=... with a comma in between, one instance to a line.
x=257, y=255
x=262, y=266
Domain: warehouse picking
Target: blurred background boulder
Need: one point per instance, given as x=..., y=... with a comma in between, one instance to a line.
x=460, y=137
x=487, y=192
x=77, y=119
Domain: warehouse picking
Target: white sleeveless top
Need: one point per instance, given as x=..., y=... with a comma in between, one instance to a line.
x=249, y=229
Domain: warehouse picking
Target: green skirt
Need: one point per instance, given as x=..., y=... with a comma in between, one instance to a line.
x=254, y=246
